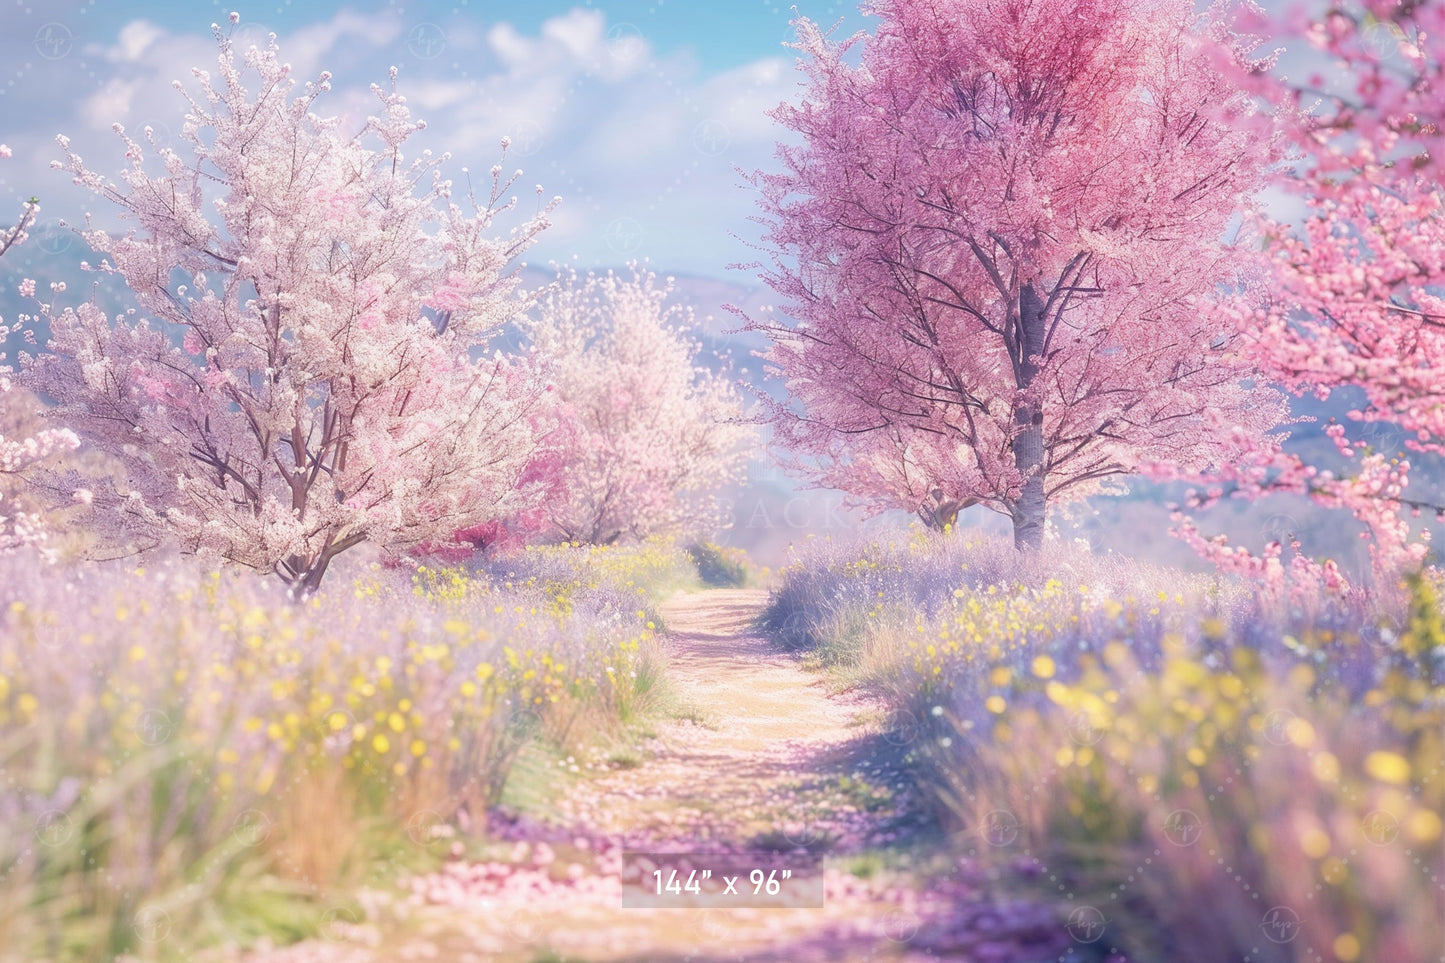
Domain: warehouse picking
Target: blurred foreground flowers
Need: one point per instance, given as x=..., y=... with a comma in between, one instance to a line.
x=189, y=751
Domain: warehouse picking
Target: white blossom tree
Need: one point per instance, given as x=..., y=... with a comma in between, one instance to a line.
x=17, y=454
x=309, y=369
x=647, y=437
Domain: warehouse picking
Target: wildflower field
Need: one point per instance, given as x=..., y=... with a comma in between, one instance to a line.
x=400, y=561
x=1196, y=769
x=191, y=752
x=1018, y=758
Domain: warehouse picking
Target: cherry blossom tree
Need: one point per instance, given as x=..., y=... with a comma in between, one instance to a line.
x=19, y=454
x=647, y=437
x=1356, y=293
x=998, y=237
x=309, y=369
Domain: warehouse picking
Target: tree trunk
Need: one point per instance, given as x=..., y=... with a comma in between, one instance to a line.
x=1028, y=443
x=939, y=513
x=306, y=583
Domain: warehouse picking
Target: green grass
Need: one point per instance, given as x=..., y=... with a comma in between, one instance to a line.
x=719, y=567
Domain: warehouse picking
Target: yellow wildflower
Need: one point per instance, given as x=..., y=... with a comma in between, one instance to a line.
x=1388, y=766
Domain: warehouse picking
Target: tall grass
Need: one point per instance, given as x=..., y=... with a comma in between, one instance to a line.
x=1199, y=774
x=187, y=752
x=719, y=566
x=649, y=571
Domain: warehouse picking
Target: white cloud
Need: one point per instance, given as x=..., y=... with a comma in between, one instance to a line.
x=436, y=95
x=579, y=31
x=348, y=36
x=149, y=59
x=626, y=135
x=573, y=43
x=112, y=101
x=135, y=39
x=742, y=97
x=643, y=148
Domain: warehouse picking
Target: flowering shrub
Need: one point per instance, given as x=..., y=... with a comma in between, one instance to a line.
x=174, y=739
x=1208, y=775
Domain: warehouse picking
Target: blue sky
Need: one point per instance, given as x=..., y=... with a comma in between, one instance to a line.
x=637, y=112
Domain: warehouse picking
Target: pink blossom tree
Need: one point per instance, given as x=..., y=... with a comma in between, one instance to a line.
x=310, y=371
x=999, y=236
x=1356, y=294
x=648, y=438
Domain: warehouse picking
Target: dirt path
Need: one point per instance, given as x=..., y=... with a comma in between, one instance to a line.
x=770, y=747
x=765, y=761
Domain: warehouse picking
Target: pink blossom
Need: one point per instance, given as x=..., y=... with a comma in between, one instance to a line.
x=968, y=236
x=155, y=389
x=453, y=295
x=1355, y=299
